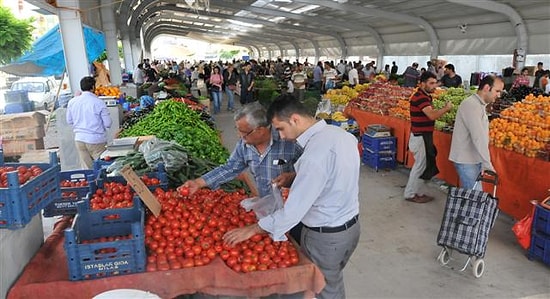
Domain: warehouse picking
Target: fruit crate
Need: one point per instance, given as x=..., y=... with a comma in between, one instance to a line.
x=66, y=203
x=379, y=144
x=19, y=203
x=160, y=174
x=379, y=161
x=101, y=165
x=541, y=219
x=540, y=248
x=114, y=256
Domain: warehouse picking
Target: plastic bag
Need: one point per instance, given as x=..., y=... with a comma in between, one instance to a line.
x=171, y=154
x=324, y=109
x=522, y=229
x=263, y=206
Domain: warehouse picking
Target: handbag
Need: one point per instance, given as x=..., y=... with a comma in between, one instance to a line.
x=522, y=228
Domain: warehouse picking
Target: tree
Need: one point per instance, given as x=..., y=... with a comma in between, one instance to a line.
x=15, y=35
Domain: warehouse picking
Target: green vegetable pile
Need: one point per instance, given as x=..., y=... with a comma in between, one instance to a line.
x=171, y=120
x=455, y=96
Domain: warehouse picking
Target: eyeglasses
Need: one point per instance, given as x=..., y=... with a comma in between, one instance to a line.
x=244, y=135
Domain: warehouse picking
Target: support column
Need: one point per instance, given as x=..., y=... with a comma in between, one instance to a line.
x=76, y=61
x=109, y=28
x=128, y=52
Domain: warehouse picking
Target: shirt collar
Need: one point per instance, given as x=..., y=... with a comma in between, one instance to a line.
x=480, y=100
x=307, y=134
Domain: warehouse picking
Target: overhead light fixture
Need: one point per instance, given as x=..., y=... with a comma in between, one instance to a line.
x=198, y=4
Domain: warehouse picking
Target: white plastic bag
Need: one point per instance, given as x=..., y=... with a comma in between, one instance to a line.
x=263, y=206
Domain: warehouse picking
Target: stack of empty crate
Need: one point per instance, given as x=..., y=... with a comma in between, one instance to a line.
x=379, y=147
x=22, y=132
x=540, y=233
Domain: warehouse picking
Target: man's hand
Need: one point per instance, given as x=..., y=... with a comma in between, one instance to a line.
x=285, y=179
x=238, y=235
x=192, y=186
x=448, y=106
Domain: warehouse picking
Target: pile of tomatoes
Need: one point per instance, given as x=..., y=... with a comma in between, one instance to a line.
x=189, y=233
x=72, y=184
x=106, y=239
x=24, y=173
x=115, y=195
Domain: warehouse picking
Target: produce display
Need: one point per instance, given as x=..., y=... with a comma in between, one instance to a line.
x=524, y=127
x=115, y=195
x=343, y=96
x=189, y=232
x=401, y=110
x=173, y=120
x=24, y=174
x=455, y=95
x=110, y=91
x=380, y=97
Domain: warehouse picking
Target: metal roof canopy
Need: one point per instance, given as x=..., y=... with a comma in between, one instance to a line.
x=350, y=28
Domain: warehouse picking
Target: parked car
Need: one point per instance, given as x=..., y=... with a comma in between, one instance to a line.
x=42, y=91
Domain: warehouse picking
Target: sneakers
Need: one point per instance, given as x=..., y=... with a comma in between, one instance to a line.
x=419, y=198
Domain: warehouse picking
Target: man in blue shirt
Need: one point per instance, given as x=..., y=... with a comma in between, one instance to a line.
x=260, y=149
x=90, y=120
x=324, y=195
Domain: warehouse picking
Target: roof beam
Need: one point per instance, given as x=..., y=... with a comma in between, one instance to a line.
x=174, y=8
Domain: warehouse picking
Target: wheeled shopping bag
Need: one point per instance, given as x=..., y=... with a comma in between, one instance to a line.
x=468, y=218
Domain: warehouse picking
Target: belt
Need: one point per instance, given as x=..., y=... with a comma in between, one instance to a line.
x=336, y=229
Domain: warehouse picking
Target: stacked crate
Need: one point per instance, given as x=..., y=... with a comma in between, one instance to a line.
x=540, y=233
x=22, y=132
x=17, y=101
x=379, y=147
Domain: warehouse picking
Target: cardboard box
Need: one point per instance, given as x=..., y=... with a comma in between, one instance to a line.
x=30, y=133
x=17, y=147
x=22, y=120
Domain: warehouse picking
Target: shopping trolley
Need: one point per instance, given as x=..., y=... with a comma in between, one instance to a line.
x=468, y=218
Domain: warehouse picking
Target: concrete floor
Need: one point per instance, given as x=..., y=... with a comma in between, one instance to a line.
x=397, y=253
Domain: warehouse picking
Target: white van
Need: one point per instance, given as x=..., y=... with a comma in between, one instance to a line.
x=42, y=91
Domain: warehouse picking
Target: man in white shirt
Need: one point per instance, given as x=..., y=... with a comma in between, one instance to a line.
x=324, y=195
x=353, y=76
x=470, y=142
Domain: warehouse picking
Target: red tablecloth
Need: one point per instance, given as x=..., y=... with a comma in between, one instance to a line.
x=522, y=179
x=46, y=276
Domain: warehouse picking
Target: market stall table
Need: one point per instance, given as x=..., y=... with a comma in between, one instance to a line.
x=522, y=179
x=46, y=276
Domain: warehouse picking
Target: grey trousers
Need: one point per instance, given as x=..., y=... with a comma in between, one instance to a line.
x=414, y=184
x=331, y=252
x=88, y=153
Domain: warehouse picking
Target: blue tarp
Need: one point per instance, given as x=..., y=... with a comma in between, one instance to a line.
x=47, y=58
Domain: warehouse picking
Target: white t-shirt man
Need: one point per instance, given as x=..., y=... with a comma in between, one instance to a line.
x=353, y=77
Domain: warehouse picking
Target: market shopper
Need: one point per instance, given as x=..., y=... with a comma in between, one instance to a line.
x=90, y=119
x=215, y=85
x=324, y=195
x=299, y=79
x=522, y=79
x=470, y=142
x=411, y=75
x=538, y=74
x=247, y=84
x=423, y=117
x=318, y=76
x=330, y=76
x=451, y=78
x=269, y=158
x=230, y=79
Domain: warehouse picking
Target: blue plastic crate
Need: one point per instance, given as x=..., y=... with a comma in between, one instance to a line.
x=540, y=248
x=110, y=258
x=100, y=165
x=16, y=96
x=379, y=144
x=19, y=203
x=541, y=221
x=379, y=161
x=66, y=204
x=160, y=175
x=18, y=107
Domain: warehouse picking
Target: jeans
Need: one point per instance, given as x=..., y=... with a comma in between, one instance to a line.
x=468, y=173
x=230, y=98
x=217, y=99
